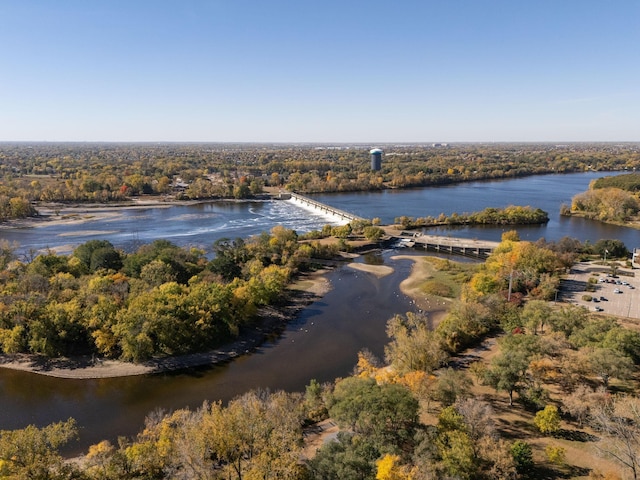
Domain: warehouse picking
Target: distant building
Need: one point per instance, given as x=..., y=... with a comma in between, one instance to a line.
x=635, y=260
x=376, y=159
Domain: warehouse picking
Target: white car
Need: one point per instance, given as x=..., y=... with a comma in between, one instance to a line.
x=617, y=290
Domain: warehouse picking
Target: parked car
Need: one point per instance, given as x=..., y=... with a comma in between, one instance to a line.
x=604, y=299
x=617, y=290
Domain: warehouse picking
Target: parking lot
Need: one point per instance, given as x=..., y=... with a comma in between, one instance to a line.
x=619, y=295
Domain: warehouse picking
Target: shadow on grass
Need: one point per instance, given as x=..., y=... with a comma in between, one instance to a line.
x=576, y=436
x=546, y=472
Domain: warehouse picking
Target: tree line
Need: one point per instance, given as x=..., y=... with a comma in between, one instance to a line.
x=72, y=173
x=511, y=215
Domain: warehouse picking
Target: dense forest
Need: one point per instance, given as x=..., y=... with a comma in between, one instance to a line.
x=72, y=173
x=159, y=300
x=558, y=378
x=629, y=182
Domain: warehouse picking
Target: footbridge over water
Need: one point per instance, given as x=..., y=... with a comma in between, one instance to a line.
x=319, y=206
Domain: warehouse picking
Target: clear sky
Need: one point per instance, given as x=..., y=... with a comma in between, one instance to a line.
x=320, y=70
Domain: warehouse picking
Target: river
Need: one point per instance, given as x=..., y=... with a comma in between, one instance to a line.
x=322, y=343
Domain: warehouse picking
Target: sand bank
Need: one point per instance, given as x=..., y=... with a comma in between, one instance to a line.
x=377, y=270
x=436, y=307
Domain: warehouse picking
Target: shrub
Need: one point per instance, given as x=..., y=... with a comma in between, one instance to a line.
x=436, y=288
x=557, y=455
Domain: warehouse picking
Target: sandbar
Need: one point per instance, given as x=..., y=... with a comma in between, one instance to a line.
x=435, y=306
x=377, y=270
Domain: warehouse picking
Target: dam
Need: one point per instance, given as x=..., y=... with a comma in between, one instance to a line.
x=310, y=204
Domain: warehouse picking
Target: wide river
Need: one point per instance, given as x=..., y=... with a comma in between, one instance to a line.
x=322, y=343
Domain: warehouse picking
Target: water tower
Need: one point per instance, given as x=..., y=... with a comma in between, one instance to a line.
x=376, y=159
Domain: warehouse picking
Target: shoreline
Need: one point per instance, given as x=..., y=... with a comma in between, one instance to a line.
x=304, y=291
x=50, y=214
x=307, y=289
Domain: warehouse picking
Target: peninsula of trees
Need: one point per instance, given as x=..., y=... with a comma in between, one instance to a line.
x=161, y=300
x=610, y=199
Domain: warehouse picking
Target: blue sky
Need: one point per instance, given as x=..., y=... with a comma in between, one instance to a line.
x=320, y=71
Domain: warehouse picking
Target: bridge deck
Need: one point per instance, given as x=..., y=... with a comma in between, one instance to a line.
x=463, y=246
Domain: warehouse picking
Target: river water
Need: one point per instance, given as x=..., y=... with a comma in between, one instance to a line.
x=322, y=343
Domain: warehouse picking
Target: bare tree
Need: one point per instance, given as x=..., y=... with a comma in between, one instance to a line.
x=619, y=422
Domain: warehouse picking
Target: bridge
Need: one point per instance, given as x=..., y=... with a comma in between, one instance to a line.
x=319, y=206
x=451, y=245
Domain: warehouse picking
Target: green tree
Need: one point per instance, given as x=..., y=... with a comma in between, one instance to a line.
x=386, y=414
x=522, y=455
x=451, y=386
x=607, y=363
x=105, y=255
x=535, y=314
x=348, y=457
x=508, y=369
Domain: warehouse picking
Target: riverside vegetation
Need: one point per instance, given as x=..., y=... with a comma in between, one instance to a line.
x=559, y=383
x=609, y=199
x=32, y=174
x=161, y=300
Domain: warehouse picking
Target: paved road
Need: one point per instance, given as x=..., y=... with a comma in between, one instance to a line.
x=625, y=304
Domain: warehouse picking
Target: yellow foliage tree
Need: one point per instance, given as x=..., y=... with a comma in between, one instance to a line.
x=388, y=468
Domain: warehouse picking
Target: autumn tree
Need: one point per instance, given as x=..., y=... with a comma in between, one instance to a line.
x=413, y=344
x=548, y=419
x=33, y=453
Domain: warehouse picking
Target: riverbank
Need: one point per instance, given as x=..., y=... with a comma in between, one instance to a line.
x=308, y=288
x=632, y=223
x=79, y=213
